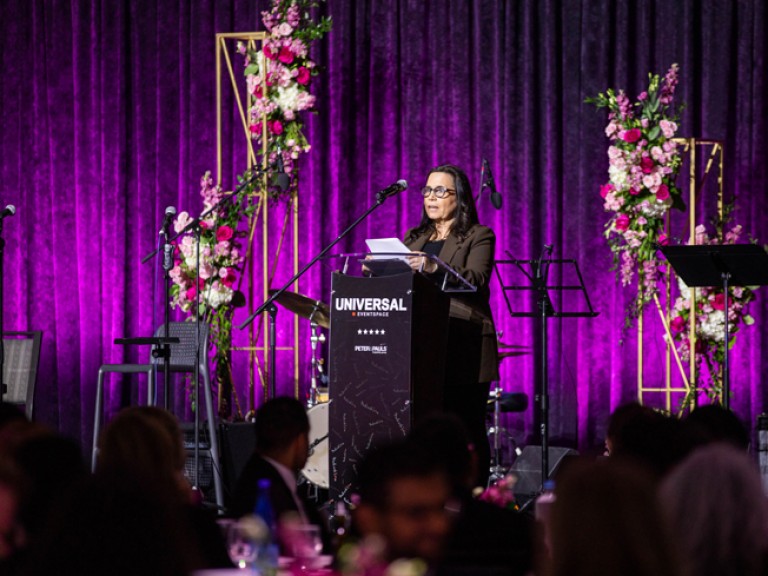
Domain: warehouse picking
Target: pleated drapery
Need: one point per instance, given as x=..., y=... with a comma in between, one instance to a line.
x=108, y=116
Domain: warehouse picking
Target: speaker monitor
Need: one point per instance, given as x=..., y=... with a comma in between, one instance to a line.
x=527, y=468
x=238, y=441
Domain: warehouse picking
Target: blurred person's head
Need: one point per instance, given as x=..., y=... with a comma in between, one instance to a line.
x=51, y=467
x=405, y=496
x=144, y=442
x=715, y=505
x=12, y=537
x=446, y=437
x=715, y=423
x=645, y=436
x=282, y=432
x=605, y=520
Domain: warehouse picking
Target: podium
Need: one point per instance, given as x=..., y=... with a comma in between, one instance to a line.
x=387, y=356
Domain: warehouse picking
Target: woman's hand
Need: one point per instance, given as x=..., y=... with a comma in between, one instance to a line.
x=420, y=263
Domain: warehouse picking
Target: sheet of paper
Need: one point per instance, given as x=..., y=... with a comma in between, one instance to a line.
x=389, y=246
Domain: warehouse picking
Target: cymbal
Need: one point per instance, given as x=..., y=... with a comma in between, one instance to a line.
x=305, y=307
x=513, y=346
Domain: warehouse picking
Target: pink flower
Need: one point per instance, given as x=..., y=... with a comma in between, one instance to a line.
x=662, y=193
x=632, y=135
x=663, y=240
x=622, y=222
x=718, y=303
x=276, y=127
x=642, y=96
x=677, y=324
x=191, y=293
x=647, y=165
x=285, y=56
x=268, y=53
x=668, y=128
x=634, y=191
x=303, y=76
x=605, y=189
x=224, y=233
x=255, y=128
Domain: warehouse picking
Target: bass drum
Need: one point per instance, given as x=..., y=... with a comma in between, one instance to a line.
x=316, y=468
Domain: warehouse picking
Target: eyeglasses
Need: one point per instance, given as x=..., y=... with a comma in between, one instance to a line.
x=440, y=191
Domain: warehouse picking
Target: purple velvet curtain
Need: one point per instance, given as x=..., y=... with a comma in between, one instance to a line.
x=108, y=116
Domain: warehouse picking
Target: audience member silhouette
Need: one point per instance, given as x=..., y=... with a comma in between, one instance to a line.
x=716, y=508
x=715, y=423
x=645, y=436
x=406, y=498
x=282, y=449
x=484, y=537
x=605, y=520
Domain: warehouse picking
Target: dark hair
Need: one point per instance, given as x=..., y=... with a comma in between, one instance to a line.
x=279, y=422
x=385, y=464
x=466, y=213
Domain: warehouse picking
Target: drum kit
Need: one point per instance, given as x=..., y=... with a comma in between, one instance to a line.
x=319, y=315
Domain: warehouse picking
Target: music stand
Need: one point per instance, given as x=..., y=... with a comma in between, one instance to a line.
x=537, y=281
x=720, y=265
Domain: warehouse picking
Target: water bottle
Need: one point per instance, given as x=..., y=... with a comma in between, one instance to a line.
x=267, y=554
x=339, y=524
x=762, y=449
x=543, y=510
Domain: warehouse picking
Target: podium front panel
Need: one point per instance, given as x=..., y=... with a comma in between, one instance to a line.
x=377, y=325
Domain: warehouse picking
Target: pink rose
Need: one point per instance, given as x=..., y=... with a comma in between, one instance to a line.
x=605, y=189
x=647, y=165
x=255, y=128
x=677, y=324
x=303, y=76
x=632, y=135
x=634, y=191
x=285, y=56
x=622, y=222
x=224, y=233
x=268, y=53
x=276, y=127
x=718, y=303
x=663, y=240
x=191, y=293
x=662, y=193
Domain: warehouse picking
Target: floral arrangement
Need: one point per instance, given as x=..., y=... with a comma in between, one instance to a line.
x=501, y=493
x=643, y=164
x=278, y=78
x=220, y=261
x=709, y=306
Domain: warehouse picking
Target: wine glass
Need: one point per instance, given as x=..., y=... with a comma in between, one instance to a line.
x=304, y=544
x=240, y=545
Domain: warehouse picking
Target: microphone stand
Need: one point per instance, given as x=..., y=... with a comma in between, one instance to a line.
x=269, y=302
x=545, y=309
x=194, y=225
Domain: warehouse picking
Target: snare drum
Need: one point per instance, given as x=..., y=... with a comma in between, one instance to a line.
x=316, y=469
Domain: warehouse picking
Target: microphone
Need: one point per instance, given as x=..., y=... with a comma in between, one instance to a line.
x=170, y=212
x=495, y=196
x=9, y=210
x=391, y=190
x=540, y=263
x=281, y=179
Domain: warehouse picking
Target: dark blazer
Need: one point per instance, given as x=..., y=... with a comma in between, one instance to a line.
x=473, y=258
x=246, y=489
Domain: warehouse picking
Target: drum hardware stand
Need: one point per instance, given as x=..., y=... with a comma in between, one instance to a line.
x=497, y=470
x=317, y=363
